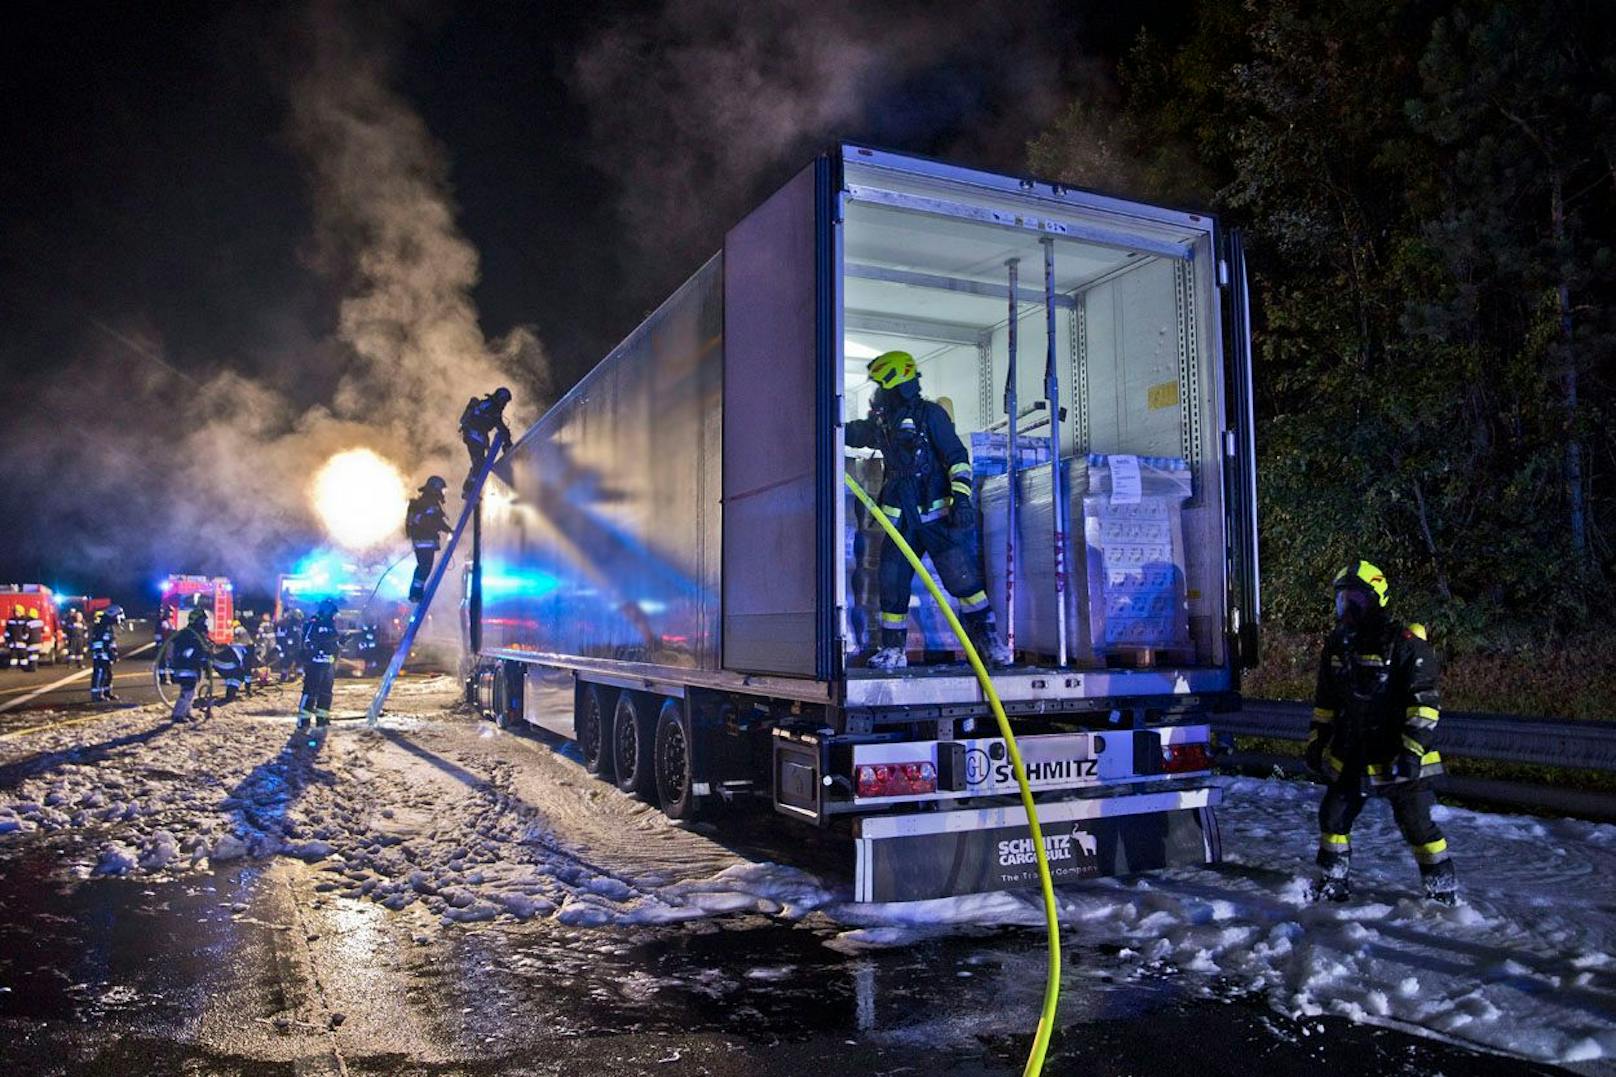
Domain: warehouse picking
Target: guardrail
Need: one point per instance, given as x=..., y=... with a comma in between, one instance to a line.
x=1503, y=738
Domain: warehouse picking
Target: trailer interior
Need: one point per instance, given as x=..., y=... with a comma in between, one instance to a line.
x=927, y=267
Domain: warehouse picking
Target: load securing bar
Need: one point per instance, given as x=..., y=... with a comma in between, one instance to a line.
x=407, y=641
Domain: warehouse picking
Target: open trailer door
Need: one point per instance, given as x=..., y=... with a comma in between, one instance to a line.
x=778, y=521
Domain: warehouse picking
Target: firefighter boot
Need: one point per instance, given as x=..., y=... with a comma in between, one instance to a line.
x=989, y=647
x=1441, y=886
x=1335, y=867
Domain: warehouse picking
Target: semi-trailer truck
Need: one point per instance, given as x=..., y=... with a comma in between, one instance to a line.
x=669, y=565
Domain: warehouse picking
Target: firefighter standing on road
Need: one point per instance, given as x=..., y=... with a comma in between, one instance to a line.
x=160, y=633
x=479, y=422
x=321, y=641
x=36, y=639
x=103, y=653
x=189, y=653
x=1374, y=714
x=289, y=641
x=424, y=525
x=267, y=648
x=17, y=637
x=78, y=635
x=926, y=492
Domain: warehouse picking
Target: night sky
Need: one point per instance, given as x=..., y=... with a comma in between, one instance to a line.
x=158, y=225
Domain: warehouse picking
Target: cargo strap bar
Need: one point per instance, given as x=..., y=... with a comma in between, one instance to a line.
x=407, y=641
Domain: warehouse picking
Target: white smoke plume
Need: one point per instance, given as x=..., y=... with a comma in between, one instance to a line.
x=222, y=464
x=698, y=104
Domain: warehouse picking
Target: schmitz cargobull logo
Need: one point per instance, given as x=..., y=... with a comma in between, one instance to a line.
x=1058, y=848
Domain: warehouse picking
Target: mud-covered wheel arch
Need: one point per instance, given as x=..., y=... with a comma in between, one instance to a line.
x=675, y=775
x=633, y=734
x=593, y=726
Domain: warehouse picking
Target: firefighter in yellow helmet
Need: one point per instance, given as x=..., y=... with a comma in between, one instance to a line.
x=1374, y=715
x=926, y=492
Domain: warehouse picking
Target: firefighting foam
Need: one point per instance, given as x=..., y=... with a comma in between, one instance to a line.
x=360, y=497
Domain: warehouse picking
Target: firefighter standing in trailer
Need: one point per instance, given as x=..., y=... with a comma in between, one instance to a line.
x=1374, y=716
x=104, y=653
x=321, y=641
x=926, y=492
x=479, y=422
x=78, y=637
x=17, y=637
x=189, y=655
x=424, y=525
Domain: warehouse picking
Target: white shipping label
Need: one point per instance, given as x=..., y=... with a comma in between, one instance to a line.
x=1124, y=480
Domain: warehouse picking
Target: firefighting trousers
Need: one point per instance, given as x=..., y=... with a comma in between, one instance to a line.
x=1411, y=804
x=954, y=554
x=424, y=557
x=19, y=655
x=185, y=681
x=316, y=700
x=100, y=678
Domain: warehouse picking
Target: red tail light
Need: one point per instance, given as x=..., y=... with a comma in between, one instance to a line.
x=1184, y=758
x=895, y=779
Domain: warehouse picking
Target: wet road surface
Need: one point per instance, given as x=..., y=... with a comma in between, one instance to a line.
x=258, y=969
x=66, y=687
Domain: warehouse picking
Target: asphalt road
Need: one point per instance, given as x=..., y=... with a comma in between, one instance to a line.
x=256, y=971
x=67, y=687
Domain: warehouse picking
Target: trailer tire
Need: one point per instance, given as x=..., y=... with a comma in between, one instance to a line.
x=633, y=736
x=593, y=728
x=675, y=777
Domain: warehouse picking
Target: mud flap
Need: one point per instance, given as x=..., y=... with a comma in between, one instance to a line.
x=980, y=850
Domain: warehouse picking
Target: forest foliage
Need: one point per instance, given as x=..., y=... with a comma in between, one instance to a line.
x=1427, y=191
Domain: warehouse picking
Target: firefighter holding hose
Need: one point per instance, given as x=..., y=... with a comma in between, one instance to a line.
x=926, y=492
x=1374, y=716
x=190, y=654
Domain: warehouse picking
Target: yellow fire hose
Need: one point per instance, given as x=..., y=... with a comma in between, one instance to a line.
x=1046, y=1019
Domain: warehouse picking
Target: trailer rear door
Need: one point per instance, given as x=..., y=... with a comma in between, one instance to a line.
x=777, y=526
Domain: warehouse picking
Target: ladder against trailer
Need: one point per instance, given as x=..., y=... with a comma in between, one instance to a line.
x=401, y=653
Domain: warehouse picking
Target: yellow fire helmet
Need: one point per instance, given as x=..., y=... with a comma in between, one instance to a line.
x=1362, y=572
x=34, y=613
x=891, y=369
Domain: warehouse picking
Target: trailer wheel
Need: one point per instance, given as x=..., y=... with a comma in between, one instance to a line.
x=675, y=779
x=593, y=729
x=632, y=737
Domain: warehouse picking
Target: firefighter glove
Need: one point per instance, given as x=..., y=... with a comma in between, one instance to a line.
x=1315, y=755
x=1407, y=765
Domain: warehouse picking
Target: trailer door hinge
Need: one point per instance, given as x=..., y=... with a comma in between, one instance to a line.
x=1229, y=444
x=1223, y=272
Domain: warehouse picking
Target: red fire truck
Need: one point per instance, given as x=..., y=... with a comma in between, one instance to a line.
x=182, y=594
x=36, y=596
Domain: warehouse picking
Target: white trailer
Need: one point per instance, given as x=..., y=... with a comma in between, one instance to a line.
x=672, y=547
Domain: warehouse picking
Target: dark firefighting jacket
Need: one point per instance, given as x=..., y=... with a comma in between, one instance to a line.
x=321, y=641
x=104, y=640
x=189, y=653
x=1376, y=699
x=425, y=522
x=923, y=460
x=481, y=417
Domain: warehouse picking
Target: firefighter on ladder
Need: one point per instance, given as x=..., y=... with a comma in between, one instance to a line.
x=479, y=422
x=1374, y=715
x=425, y=525
x=926, y=492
